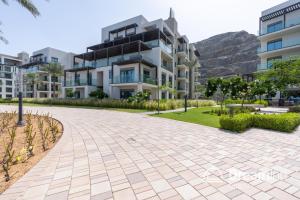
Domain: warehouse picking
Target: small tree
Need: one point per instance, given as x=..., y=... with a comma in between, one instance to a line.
x=33, y=80
x=220, y=85
x=282, y=74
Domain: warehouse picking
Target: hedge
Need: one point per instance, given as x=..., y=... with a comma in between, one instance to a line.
x=286, y=122
x=239, y=101
x=295, y=109
x=112, y=103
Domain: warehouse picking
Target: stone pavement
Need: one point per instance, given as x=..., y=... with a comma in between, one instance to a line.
x=116, y=155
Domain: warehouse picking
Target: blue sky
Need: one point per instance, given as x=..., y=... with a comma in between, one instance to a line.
x=72, y=25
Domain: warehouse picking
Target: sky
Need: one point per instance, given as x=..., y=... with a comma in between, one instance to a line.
x=72, y=25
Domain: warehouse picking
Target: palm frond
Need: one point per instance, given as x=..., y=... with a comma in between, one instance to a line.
x=29, y=6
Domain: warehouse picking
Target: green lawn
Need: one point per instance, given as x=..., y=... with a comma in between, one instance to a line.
x=196, y=116
x=85, y=107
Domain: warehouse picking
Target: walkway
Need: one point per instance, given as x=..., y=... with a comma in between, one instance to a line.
x=116, y=155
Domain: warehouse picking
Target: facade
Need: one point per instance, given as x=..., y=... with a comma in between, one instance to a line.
x=38, y=83
x=8, y=73
x=135, y=55
x=279, y=33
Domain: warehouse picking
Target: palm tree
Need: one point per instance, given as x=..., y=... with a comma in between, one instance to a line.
x=28, y=5
x=33, y=79
x=54, y=70
x=191, y=64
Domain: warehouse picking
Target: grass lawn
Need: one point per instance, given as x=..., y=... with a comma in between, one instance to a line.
x=85, y=107
x=196, y=116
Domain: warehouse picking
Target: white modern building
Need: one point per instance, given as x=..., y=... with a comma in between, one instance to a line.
x=279, y=33
x=135, y=55
x=38, y=83
x=8, y=73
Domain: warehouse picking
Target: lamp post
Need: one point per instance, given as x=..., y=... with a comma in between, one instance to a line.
x=158, y=109
x=20, y=114
x=185, y=103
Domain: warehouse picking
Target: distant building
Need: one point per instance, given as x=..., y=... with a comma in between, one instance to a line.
x=8, y=73
x=42, y=85
x=135, y=55
x=279, y=33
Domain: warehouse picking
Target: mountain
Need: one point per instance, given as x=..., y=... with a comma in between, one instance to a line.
x=228, y=54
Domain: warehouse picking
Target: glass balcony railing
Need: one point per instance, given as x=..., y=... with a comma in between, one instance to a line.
x=81, y=82
x=132, y=79
x=289, y=23
x=167, y=66
x=149, y=80
x=165, y=47
x=285, y=44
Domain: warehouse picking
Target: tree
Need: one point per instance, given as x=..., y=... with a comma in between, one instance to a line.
x=33, y=79
x=55, y=70
x=282, y=74
x=28, y=5
x=220, y=85
x=260, y=88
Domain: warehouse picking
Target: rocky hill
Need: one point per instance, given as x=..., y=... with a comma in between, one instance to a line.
x=228, y=54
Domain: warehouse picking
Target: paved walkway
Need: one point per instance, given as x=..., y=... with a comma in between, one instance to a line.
x=116, y=155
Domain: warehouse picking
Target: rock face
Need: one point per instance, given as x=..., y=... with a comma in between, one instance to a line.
x=228, y=54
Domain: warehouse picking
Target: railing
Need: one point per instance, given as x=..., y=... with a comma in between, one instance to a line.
x=124, y=79
x=285, y=44
x=165, y=47
x=149, y=80
x=167, y=66
x=80, y=82
x=288, y=24
x=180, y=75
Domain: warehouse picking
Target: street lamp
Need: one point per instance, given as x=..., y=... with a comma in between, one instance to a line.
x=20, y=97
x=158, y=109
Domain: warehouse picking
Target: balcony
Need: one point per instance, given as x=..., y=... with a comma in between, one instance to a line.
x=286, y=45
x=289, y=24
x=134, y=80
x=167, y=66
x=80, y=82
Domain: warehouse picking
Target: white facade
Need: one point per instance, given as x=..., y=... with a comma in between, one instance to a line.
x=43, y=85
x=135, y=55
x=8, y=74
x=279, y=33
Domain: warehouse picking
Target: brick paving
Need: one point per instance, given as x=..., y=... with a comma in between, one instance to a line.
x=115, y=155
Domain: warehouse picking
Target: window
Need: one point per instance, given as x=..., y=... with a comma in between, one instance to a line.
x=8, y=82
x=125, y=94
x=130, y=31
x=8, y=76
x=54, y=60
x=273, y=45
x=146, y=74
x=7, y=69
x=8, y=89
x=270, y=61
x=163, y=79
x=110, y=74
x=275, y=27
x=127, y=76
x=8, y=96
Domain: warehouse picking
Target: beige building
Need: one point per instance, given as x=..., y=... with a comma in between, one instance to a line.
x=135, y=55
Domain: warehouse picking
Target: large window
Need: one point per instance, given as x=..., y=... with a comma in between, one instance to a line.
x=127, y=76
x=273, y=45
x=9, y=90
x=275, y=27
x=54, y=60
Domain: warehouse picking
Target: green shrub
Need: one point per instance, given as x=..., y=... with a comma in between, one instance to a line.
x=113, y=103
x=99, y=94
x=286, y=122
x=238, y=123
x=236, y=110
x=295, y=109
x=239, y=101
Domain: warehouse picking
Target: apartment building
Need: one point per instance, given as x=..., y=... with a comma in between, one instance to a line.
x=279, y=33
x=8, y=73
x=135, y=55
x=37, y=83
